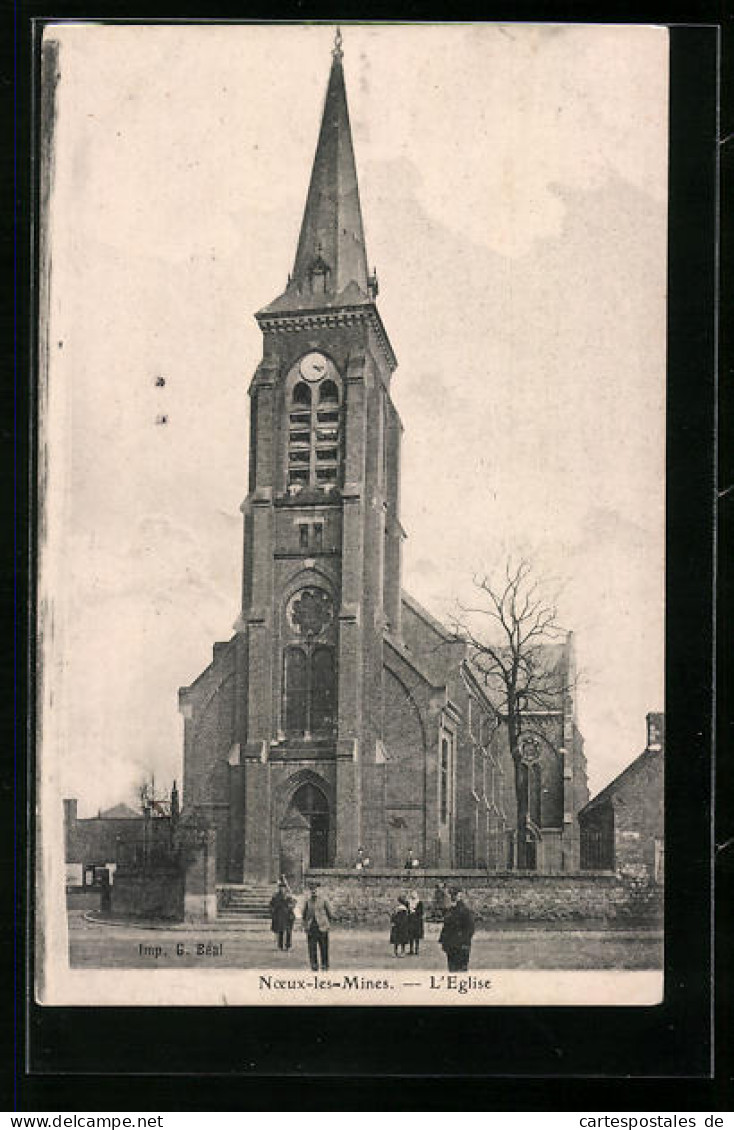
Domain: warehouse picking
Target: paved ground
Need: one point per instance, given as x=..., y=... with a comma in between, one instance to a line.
x=100, y=945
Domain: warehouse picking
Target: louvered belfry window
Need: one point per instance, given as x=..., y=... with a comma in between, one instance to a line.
x=314, y=431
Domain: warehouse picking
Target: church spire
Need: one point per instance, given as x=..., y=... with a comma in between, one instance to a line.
x=330, y=267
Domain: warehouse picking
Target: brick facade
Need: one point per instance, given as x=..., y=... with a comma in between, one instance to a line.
x=623, y=828
x=341, y=714
x=93, y=844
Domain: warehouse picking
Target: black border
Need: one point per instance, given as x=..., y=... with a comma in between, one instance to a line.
x=520, y=1055
x=724, y=675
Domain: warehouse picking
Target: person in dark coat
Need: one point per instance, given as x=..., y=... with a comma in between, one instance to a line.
x=457, y=932
x=415, y=922
x=400, y=927
x=282, y=915
x=442, y=899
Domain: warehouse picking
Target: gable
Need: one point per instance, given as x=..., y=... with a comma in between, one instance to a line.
x=644, y=769
x=120, y=812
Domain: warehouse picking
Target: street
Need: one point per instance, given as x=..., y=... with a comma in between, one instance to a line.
x=95, y=944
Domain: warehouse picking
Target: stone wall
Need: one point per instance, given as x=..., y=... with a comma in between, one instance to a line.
x=369, y=896
x=159, y=894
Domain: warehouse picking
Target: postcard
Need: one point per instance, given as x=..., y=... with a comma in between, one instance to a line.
x=351, y=528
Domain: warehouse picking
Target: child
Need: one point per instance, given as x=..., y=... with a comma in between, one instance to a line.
x=400, y=928
x=415, y=922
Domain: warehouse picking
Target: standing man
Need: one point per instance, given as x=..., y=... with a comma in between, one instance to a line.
x=317, y=918
x=457, y=932
x=282, y=914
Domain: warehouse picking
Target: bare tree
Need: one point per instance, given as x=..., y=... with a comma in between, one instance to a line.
x=151, y=801
x=508, y=635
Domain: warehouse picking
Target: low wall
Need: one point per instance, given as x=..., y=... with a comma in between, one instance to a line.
x=200, y=898
x=83, y=898
x=369, y=896
x=158, y=894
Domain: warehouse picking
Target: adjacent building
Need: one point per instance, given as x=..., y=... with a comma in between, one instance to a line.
x=95, y=846
x=622, y=828
x=92, y=845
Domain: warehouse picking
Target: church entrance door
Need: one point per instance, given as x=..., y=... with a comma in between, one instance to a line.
x=295, y=838
x=398, y=841
x=309, y=809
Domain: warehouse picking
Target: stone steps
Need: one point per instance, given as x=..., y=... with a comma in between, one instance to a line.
x=262, y=891
x=245, y=901
x=239, y=914
x=244, y=896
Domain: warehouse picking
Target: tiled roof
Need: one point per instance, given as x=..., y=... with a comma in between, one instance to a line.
x=621, y=779
x=119, y=812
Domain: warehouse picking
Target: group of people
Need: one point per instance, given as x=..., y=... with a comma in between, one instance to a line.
x=316, y=916
x=406, y=924
x=363, y=861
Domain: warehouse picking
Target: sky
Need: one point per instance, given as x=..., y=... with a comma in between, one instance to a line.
x=513, y=181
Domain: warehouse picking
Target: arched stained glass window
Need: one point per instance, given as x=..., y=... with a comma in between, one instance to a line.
x=534, y=792
x=309, y=690
x=323, y=690
x=444, y=780
x=385, y=439
x=295, y=690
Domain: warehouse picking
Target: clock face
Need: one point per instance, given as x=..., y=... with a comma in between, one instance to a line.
x=313, y=367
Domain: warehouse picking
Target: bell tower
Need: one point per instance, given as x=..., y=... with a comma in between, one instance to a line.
x=341, y=714
x=322, y=537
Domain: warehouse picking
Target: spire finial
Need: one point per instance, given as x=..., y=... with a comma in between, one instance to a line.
x=330, y=267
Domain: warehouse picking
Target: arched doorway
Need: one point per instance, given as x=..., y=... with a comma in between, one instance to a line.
x=304, y=832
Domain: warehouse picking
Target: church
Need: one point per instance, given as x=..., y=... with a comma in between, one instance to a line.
x=341, y=715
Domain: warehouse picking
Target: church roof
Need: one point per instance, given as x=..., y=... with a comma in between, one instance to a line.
x=330, y=268
x=553, y=664
x=439, y=628
x=119, y=812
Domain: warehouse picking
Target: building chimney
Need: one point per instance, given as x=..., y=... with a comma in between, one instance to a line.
x=70, y=810
x=655, y=731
